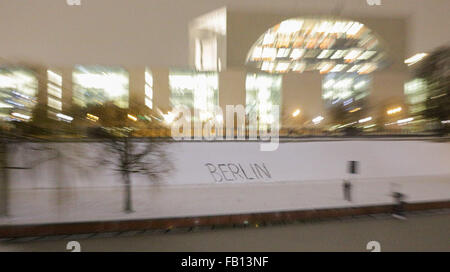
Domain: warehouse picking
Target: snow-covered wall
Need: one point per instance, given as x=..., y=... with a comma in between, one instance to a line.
x=212, y=163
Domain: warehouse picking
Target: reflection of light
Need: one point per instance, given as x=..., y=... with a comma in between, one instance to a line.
x=20, y=115
x=416, y=58
x=367, y=119
x=403, y=121
x=354, y=110
x=64, y=117
x=445, y=122
x=132, y=117
x=394, y=110
x=296, y=113
x=317, y=120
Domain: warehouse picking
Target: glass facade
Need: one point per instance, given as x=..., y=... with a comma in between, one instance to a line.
x=262, y=92
x=18, y=94
x=95, y=85
x=416, y=95
x=324, y=45
x=197, y=91
x=345, y=89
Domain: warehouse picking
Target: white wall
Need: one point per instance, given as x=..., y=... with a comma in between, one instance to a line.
x=293, y=161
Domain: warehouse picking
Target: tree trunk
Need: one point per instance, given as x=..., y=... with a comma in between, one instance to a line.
x=4, y=179
x=128, y=207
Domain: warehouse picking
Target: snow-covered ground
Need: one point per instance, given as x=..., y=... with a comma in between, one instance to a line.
x=86, y=204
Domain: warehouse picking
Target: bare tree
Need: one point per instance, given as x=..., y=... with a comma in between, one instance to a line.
x=129, y=155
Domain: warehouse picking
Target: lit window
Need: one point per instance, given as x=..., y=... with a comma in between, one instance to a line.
x=262, y=93
x=95, y=85
x=345, y=89
x=198, y=91
x=54, y=90
x=148, y=89
x=323, y=45
x=18, y=90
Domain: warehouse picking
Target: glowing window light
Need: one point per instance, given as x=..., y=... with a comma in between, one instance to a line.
x=296, y=113
x=297, y=53
x=197, y=91
x=283, y=52
x=394, y=110
x=353, y=54
x=338, y=54
x=257, y=53
x=404, y=121
x=269, y=53
x=299, y=67
x=267, y=66
x=367, y=68
x=338, y=68
x=360, y=84
x=325, y=54
x=268, y=39
x=54, y=78
x=354, y=29
x=64, y=117
x=354, y=68
x=148, y=99
x=53, y=90
x=416, y=58
x=354, y=110
x=262, y=93
x=54, y=103
x=282, y=66
x=364, y=120
x=290, y=26
x=317, y=120
x=329, y=83
x=20, y=115
x=367, y=55
x=92, y=117
x=97, y=85
x=132, y=117
x=326, y=68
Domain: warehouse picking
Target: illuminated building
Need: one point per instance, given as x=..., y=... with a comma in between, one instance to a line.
x=303, y=47
x=18, y=94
